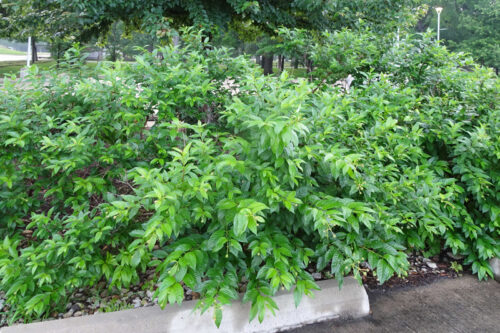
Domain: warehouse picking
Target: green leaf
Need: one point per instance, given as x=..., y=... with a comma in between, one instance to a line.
x=240, y=224
x=298, y=292
x=136, y=258
x=218, y=316
x=190, y=259
x=384, y=271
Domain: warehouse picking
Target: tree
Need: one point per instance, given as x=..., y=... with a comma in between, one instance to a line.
x=265, y=16
x=469, y=26
x=120, y=43
x=40, y=20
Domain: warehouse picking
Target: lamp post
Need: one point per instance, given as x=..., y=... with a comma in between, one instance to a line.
x=439, y=10
x=28, y=54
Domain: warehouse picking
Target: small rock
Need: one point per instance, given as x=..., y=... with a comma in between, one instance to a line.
x=431, y=265
x=78, y=295
x=69, y=314
x=136, y=302
x=149, y=294
x=189, y=292
x=316, y=276
x=77, y=307
x=77, y=314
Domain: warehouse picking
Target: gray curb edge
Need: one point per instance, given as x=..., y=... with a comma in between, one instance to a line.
x=351, y=301
x=495, y=266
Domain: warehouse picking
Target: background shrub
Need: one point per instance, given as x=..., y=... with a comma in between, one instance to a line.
x=242, y=178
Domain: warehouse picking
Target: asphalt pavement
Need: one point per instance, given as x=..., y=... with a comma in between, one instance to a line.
x=447, y=305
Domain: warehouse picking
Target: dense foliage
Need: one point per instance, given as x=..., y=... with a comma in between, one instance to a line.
x=468, y=26
x=267, y=15
x=243, y=178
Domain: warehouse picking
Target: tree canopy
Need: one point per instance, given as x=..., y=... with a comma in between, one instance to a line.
x=42, y=19
x=95, y=17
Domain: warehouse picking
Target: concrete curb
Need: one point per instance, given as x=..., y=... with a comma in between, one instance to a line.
x=329, y=303
x=495, y=266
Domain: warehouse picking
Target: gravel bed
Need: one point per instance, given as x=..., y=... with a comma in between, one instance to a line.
x=422, y=271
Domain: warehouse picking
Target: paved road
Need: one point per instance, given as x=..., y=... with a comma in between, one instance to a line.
x=16, y=57
x=448, y=305
x=11, y=57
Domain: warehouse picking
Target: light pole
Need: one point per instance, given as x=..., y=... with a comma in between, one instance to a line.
x=28, y=54
x=439, y=10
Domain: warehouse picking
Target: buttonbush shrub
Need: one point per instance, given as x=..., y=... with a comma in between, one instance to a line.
x=242, y=178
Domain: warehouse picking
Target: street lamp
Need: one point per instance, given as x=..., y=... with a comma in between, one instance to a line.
x=439, y=10
x=28, y=54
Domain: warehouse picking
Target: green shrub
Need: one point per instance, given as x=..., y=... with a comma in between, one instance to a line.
x=252, y=188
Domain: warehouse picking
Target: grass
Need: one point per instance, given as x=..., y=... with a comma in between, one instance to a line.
x=294, y=72
x=4, y=50
x=13, y=67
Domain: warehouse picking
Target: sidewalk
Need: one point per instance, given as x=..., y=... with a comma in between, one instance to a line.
x=448, y=305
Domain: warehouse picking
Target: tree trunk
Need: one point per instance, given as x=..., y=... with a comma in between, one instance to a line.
x=34, y=53
x=309, y=64
x=58, y=58
x=113, y=54
x=296, y=63
x=281, y=63
x=267, y=63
